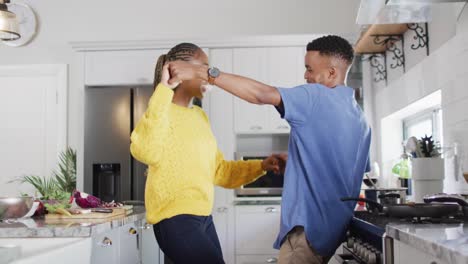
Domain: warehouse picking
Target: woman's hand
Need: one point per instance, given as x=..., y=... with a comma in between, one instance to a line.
x=166, y=76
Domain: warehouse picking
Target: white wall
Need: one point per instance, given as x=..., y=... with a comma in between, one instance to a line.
x=445, y=70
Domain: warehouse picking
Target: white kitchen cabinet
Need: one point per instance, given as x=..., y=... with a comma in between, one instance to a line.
x=132, y=243
x=150, y=252
x=256, y=228
x=219, y=107
x=285, y=70
x=122, y=67
x=250, y=62
x=404, y=253
x=280, y=67
x=105, y=247
x=129, y=246
x=256, y=259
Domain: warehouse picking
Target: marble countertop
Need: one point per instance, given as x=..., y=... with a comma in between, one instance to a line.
x=447, y=242
x=41, y=228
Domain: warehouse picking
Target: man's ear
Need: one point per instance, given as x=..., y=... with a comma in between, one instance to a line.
x=332, y=72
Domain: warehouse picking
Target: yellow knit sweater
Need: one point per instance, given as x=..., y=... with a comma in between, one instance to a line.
x=184, y=162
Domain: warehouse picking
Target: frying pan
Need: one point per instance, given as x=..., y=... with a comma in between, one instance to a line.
x=448, y=198
x=409, y=210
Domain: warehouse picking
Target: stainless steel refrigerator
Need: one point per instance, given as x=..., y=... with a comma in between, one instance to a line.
x=111, y=113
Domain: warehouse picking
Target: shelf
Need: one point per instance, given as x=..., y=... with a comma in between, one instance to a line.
x=367, y=44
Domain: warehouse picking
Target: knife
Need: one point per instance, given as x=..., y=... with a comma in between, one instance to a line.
x=102, y=210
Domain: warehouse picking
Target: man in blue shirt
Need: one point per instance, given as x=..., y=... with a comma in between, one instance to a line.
x=328, y=146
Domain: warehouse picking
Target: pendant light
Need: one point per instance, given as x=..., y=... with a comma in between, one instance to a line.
x=8, y=23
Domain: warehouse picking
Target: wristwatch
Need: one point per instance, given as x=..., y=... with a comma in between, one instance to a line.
x=213, y=72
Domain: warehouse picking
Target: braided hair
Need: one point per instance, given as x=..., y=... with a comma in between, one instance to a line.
x=182, y=51
x=334, y=46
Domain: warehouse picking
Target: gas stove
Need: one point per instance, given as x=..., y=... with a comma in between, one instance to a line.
x=367, y=242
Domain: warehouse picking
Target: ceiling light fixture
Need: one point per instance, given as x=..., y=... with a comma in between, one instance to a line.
x=8, y=23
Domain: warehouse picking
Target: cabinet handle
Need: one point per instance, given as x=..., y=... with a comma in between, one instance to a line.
x=132, y=231
x=256, y=128
x=106, y=242
x=146, y=226
x=271, y=210
x=222, y=209
x=282, y=127
x=272, y=260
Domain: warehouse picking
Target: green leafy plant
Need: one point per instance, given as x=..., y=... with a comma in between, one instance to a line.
x=44, y=186
x=65, y=177
x=61, y=184
x=428, y=147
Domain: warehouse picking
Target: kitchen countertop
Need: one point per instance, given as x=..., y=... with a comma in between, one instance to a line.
x=41, y=228
x=447, y=242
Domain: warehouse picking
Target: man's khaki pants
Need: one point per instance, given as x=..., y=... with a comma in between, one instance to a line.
x=297, y=250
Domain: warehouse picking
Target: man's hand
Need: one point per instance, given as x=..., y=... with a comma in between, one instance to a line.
x=275, y=163
x=282, y=159
x=183, y=71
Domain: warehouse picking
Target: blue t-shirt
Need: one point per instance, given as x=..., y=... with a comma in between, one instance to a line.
x=328, y=156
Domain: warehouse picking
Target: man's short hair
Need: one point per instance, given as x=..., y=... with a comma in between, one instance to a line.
x=334, y=46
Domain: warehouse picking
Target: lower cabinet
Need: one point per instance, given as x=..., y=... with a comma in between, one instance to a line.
x=256, y=229
x=105, y=247
x=150, y=252
x=133, y=243
x=129, y=246
x=404, y=253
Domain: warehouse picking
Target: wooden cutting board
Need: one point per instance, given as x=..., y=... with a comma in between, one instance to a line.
x=116, y=212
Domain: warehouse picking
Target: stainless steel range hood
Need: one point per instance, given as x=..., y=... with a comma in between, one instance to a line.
x=401, y=11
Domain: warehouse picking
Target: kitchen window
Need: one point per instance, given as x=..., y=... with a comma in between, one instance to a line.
x=428, y=123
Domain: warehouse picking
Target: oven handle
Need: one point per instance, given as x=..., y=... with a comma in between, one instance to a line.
x=343, y=258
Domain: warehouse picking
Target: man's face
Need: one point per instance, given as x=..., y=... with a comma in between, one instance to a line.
x=317, y=68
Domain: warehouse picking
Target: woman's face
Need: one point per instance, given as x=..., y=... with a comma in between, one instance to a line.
x=194, y=86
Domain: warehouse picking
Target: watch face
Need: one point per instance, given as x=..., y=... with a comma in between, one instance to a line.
x=213, y=72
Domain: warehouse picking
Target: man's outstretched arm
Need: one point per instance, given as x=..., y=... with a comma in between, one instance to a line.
x=245, y=88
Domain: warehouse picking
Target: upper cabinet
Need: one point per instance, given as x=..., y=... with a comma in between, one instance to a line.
x=123, y=67
x=252, y=63
x=278, y=66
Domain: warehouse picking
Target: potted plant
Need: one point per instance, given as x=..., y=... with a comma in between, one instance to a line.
x=427, y=167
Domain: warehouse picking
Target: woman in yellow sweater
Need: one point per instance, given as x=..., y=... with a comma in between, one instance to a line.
x=177, y=144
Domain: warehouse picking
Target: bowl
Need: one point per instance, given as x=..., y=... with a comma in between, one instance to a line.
x=15, y=207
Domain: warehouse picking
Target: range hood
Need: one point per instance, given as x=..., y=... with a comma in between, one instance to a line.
x=401, y=11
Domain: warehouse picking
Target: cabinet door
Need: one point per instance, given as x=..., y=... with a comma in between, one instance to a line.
x=221, y=115
x=150, y=252
x=256, y=229
x=121, y=67
x=105, y=247
x=129, y=244
x=256, y=259
x=285, y=68
x=250, y=62
x=405, y=253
